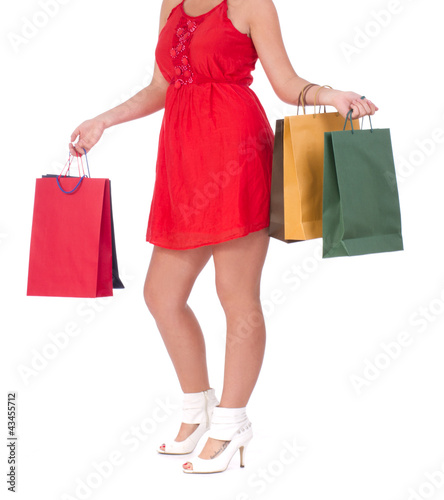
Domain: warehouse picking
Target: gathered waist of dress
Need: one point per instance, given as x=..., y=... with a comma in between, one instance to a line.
x=199, y=80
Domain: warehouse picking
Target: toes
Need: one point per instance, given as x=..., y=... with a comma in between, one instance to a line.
x=188, y=465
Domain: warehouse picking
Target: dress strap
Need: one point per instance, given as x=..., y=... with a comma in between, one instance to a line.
x=175, y=8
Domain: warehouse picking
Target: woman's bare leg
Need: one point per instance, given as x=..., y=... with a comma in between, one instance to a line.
x=170, y=278
x=238, y=264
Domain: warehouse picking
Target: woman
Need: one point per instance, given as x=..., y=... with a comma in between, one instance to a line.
x=211, y=198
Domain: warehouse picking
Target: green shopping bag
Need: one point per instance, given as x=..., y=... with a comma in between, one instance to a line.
x=361, y=213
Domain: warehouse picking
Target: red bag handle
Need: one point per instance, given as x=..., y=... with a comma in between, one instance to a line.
x=67, y=172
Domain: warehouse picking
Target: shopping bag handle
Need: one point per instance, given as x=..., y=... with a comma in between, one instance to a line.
x=67, y=172
x=301, y=98
x=316, y=95
x=349, y=117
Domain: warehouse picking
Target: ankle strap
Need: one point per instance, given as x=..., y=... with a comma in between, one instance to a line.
x=226, y=422
x=195, y=405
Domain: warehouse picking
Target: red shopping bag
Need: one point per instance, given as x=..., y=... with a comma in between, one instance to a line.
x=71, y=250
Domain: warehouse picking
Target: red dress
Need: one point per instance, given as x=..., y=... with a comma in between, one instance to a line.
x=213, y=171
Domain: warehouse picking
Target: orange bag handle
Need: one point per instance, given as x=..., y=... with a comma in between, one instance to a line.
x=316, y=95
x=305, y=90
x=301, y=98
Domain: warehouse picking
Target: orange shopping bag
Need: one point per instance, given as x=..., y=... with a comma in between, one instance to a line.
x=297, y=173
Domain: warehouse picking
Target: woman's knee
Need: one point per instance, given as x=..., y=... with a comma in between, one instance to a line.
x=171, y=276
x=155, y=299
x=237, y=296
x=164, y=302
x=150, y=297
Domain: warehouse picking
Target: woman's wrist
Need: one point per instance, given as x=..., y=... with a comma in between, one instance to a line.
x=327, y=97
x=324, y=96
x=104, y=120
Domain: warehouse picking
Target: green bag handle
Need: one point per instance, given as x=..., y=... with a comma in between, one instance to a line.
x=349, y=117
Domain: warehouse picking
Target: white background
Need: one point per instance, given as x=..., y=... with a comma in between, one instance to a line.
x=385, y=440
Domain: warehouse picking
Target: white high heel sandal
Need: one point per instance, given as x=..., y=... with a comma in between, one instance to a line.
x=227, y=424
x=197, y=408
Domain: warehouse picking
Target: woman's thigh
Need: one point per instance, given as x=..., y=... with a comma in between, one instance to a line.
x=238, y=265
x=171, y=275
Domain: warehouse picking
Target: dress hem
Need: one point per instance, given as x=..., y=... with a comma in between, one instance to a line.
x=244, y=232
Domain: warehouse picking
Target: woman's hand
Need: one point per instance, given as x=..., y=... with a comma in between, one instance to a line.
x=89, y=133
x=344, y=101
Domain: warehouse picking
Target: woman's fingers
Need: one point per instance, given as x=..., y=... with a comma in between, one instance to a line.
x=81, y=146
x=75, y=134
x=357, y=111
x=363, y=107
x=71, y=149
x=77, y=148
x=373, y=107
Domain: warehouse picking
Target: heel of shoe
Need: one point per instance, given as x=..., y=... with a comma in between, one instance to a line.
x=242, y=455
x=243, y=451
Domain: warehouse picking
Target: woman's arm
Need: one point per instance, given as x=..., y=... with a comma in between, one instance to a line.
x=144, y=103
x=267, y=37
